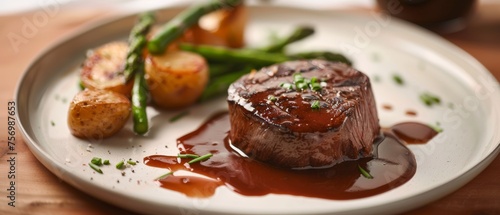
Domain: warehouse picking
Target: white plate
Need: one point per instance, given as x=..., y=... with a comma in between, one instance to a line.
x=378, y=45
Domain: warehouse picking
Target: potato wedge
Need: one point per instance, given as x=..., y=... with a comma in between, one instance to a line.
x=176, y=79
x=97, y=114
x=104, y=66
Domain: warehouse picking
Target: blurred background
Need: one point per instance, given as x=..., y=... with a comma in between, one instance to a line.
x=16, y=6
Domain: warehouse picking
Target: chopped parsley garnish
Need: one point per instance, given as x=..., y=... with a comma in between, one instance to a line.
x=106, y=162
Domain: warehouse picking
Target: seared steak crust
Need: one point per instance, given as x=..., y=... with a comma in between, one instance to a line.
x=275, y=121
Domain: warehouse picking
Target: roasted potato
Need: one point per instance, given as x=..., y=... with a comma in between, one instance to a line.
x=103, y=68
x=97, y=114
x=225, y=27
x=176, y=78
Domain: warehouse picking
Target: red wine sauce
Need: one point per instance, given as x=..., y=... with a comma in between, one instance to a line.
x=392, y=165
x=413, y=132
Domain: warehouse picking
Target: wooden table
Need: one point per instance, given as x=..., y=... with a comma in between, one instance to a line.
x=40, y=192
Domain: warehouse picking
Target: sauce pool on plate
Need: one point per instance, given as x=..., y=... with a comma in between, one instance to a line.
x=392, y=165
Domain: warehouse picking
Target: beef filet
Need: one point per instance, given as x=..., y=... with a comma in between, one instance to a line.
x=276, y=120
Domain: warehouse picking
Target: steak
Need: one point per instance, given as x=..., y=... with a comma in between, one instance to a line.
x=303, y=114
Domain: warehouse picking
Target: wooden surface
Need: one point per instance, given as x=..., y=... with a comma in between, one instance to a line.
x=40, y=192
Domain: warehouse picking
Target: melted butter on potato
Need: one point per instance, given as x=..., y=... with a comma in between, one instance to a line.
x=97, y=114
x=176, y=79
x=104, y=66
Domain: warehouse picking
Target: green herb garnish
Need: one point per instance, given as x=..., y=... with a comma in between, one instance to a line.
x=398, y=79
x=365, y=173
x=301, y=85
x=201, y=158
x=95, y=167
x=120, y=165
x=97, y=161
x=131, y=162
x=314, y=80
x=315, y=86
x=429, y=99
x=272, y=98
x=436, y=127
x=106, y=162
x=298, y=78
x=164, y=175
x=187, y=156
x=287, y=86
x=315, y=105
x=81, y=85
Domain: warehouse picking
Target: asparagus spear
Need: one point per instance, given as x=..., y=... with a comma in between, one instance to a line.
x=299, y=33
x=325, y=55
x=256, y=57
x=139, y=102
x=217, y=69
x=246, y=56
x=135, y=65
x=176, y=26
x=220, y=84
x=137, y=41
